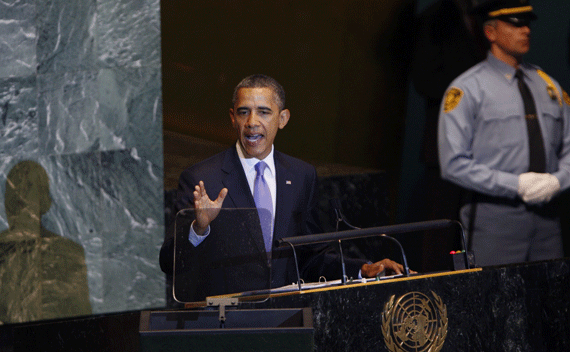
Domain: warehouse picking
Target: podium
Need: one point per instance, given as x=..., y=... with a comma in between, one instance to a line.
x=513, y=308
x=522, y=307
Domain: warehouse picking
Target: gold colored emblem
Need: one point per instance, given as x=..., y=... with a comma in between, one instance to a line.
x=452, y=99
x=551, y=93
x=550, y=87
x=566, y=97
x=414, y=322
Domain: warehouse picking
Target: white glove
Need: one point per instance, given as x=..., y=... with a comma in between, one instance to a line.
x=527, y=181
x=535, y=188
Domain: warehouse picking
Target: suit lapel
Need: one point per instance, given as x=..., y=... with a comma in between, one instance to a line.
x=285, y=186
x=239, y=193
x=235, y=181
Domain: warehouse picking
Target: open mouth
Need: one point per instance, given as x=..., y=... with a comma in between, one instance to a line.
x=253, y=138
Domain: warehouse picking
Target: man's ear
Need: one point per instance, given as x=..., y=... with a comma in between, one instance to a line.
x=232, y=117
x=490, y=33
x=284, y=118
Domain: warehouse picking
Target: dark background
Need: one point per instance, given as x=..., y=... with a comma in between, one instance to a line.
x=345, y=66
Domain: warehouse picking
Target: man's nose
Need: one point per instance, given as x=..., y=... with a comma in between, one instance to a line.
x=252, y=120
x=526, y=29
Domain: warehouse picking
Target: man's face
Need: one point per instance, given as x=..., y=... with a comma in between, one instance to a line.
x=509, y=39
x=257, y=118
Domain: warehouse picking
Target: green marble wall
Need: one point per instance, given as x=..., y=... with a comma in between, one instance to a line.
x=81, y=180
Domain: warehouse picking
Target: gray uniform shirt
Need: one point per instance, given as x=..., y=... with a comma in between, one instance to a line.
x=482, y=133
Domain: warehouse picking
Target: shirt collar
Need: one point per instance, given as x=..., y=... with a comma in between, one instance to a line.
x=505, y=69
x=248, y=164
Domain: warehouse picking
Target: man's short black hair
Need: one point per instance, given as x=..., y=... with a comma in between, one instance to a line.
x=262, y=81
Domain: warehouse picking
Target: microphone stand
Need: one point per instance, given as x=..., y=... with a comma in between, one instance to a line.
x=382, y=231
x=335, y=203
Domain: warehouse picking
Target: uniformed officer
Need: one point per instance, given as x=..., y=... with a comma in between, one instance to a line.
x=504, y=135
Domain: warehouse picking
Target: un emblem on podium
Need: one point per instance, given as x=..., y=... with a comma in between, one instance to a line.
x=414, y=322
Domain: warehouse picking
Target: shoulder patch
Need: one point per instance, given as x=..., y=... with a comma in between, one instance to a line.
x=566, y=97
x=452, y=99
x=550, y=87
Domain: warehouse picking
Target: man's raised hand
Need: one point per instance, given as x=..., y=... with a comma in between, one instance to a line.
x=206, y=209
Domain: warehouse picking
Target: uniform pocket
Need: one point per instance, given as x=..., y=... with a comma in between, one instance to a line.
x=553, y=125
x=502, y=125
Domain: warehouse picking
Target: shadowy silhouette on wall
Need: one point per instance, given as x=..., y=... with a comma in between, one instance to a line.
x=42, y=274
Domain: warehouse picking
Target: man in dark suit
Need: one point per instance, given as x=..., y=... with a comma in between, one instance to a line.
x=250, y=260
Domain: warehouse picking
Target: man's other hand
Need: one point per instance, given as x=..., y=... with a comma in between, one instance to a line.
x=389, y=267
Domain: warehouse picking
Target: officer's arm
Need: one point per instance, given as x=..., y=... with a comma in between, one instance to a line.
x=563, y=173
x=455, y=138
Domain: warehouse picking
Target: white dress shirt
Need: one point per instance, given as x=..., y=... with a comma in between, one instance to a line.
x=248, y=165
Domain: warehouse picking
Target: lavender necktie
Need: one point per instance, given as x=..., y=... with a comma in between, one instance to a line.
x=263, y=202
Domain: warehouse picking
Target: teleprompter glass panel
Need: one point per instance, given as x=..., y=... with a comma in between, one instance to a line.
x=230, y=259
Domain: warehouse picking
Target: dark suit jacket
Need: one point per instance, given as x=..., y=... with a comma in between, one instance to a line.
x=231, y=262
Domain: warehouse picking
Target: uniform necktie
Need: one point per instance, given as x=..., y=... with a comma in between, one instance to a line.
x=263, y=202
x=535, y=143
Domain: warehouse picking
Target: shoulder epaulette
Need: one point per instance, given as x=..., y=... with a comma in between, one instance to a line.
x=550, y=86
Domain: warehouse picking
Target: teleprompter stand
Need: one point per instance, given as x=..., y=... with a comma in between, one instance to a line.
x=241, y=330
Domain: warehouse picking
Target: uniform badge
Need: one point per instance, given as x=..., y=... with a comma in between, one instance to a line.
x=550, y=87
x=566, y=97
x=551, y=93
x=452, y=99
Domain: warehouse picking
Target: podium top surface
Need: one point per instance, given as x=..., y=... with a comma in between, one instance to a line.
x=330, y=286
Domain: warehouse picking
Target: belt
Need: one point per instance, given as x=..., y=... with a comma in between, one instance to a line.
x=549, y=209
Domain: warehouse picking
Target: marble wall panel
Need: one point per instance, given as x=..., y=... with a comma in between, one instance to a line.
x=133, y=230
x=128, y=33
x=67, y=109
x=7, y=164
x=130, y=108
x=75, y=190
x=18, y=127
x=129, y=271
x=106, y=110
x=88, y=110
x=18, y=117
x=66, y=35
x=17, y=38
x=43, y=267
x=132, y=198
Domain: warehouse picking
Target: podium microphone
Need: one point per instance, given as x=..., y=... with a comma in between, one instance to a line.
x=335, y=204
